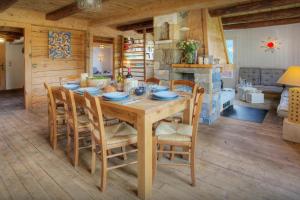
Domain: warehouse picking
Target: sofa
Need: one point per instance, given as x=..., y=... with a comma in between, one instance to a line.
x=266, y=80
x=263, y=79
x=283, y=107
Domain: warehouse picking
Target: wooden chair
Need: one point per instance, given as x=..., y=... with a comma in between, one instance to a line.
x=153, y=80
x=191, y=84
x=178, y=117
x=183, y=135
x=107, y=138
x=56, y=114
x=77, y=125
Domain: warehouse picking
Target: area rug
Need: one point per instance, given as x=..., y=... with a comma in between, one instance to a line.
x=245, y=113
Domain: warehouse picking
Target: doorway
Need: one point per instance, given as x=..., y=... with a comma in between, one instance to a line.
x=103, y=57
x=12, y=67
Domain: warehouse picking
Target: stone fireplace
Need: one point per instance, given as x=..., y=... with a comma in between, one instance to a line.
x=210, y=80
x=196, y=25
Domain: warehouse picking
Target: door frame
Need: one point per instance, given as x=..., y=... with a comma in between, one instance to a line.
x=3, y=72
x=27, y=56
x=106, y=40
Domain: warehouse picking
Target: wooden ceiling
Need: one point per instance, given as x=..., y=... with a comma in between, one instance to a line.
x=117, y=13
x=258, y=13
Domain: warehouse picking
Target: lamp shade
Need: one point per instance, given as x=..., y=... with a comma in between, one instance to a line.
x=291, y=77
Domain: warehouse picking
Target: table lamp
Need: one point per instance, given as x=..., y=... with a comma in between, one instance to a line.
x=291, y=77
x=291, y=125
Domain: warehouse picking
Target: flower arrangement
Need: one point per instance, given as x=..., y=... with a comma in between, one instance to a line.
x=189, y=48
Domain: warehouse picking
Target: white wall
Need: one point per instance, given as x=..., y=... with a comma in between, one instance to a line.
x=15, y=66
x=107, y=60
x=248, y=51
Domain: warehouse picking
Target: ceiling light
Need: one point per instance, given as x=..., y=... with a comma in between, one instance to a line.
x=89, y=4
x=101, y=46
x=2, y=40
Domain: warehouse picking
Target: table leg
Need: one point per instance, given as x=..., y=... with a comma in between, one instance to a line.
x=188, y=113
x=144, y=128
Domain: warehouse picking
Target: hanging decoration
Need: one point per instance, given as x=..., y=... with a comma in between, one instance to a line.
x=59, y=44
x=270, y=44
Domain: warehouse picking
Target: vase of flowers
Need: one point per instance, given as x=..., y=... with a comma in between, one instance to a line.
x=189, y=48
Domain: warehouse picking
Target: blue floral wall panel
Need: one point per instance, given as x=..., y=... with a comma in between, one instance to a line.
x=59, y=45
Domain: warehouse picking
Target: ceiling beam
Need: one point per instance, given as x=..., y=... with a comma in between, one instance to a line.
x=63, y=12
x=250, y=6
x=262, y=23
x=5, y=4
x=159, y=8
x=263, y=16
x=148, y=30
x=136, y=26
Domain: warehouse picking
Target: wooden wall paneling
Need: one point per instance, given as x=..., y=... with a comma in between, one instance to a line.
x=89, y=52
x=45, y=69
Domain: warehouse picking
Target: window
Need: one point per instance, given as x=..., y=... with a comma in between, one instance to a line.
x=229, y=46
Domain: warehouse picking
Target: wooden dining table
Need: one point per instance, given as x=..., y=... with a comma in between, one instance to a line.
x=143, y=113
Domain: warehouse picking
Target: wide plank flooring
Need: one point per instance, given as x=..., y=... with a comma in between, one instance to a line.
x=235, y=160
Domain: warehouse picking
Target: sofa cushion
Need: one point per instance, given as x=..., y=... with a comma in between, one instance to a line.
x=269, y=77
x=271, y=89
x=250, y=74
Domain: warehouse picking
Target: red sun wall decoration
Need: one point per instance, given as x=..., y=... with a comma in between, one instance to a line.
x=270, y=44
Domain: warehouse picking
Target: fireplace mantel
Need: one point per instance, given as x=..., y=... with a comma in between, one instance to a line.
x=192, y=65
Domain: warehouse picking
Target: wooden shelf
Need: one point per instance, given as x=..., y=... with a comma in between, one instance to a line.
x=192, y=65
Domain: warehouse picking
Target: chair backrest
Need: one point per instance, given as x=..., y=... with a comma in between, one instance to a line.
x=187, y=83
x=96, y=119
x=70, y=106
x=153, y=80
x=198, y=99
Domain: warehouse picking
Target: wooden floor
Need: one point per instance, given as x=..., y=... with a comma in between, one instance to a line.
x=235, y=160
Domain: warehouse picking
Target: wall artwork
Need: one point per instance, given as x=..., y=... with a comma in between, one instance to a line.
x=270, y=44
x=59, y=44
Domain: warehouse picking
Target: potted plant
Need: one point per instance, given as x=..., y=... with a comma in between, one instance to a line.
x=189, y=48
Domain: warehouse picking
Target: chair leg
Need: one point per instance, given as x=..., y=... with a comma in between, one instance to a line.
x=54, y=136
x=76, y=149
x=172, y=155
x=68, y=142
x=51, y=132
x=124, y=150
x=93, y=160
x=154, y=157
x=187, y=157
x=193, y=166
x=103, y=172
